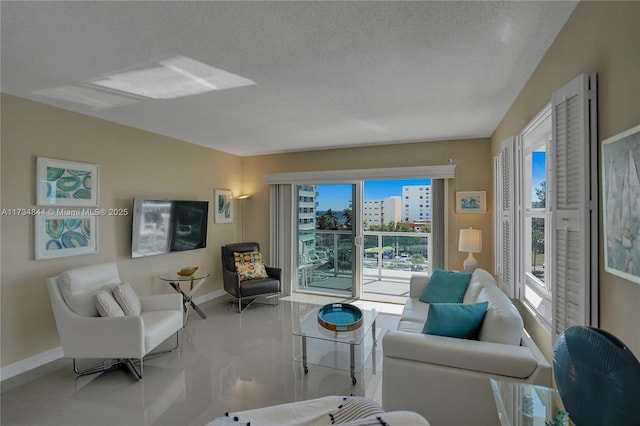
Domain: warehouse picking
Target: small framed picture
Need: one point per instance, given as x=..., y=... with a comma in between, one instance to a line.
x=70, y=234
x=223, y=206
x=66, y=183
x=471, y=202
x=620, y=195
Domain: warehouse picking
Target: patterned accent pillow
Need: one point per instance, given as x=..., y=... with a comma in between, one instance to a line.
x=250, y=265
x=355, y=409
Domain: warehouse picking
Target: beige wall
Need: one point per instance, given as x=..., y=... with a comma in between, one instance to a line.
x=133, y=163
x=473, y=172
x=601, y=37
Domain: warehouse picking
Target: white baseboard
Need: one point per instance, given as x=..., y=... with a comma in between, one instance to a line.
x=22, y=366
x=209, y=296
x=18, y=367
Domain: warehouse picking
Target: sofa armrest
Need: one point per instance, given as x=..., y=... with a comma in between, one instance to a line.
x=486, y=357
x=161, y=302
x=418, y=284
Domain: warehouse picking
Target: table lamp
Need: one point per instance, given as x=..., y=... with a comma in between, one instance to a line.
x=470, y=241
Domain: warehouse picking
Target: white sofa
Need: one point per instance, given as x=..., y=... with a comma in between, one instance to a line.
x=446, y=379
x=323, y=411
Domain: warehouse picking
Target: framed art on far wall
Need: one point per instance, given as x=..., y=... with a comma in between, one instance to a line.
x=71, y=234
x=471, y=202
x=66, y=183
x=621, y=204
x=223, y=206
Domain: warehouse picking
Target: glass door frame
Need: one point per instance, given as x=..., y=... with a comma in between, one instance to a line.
x=356, y=236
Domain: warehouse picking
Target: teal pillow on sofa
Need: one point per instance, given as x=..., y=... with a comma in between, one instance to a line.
x=453, y=320
x=446, y=287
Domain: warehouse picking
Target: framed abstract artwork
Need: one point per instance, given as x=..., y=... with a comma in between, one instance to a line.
x=71, y=234
x=471, y=202
x=66, y=183
x=223, y=206
x=621, y=204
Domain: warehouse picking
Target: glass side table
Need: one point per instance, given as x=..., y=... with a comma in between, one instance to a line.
x=194, y=280
x=523, y=404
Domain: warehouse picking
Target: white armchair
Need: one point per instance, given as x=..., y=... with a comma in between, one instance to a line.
x=124, y=340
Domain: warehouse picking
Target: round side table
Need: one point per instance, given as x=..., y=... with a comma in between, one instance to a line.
x=195, y=280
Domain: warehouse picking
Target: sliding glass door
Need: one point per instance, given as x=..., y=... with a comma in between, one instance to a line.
x=326, y=231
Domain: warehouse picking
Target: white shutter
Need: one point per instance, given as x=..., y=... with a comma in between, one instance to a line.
x=505, y=231
x=497, y=215
x=573, y=196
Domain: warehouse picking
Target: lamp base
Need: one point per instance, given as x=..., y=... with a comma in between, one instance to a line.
x=470, y=264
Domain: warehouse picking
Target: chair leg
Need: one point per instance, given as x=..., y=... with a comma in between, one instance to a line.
x=125, y=362
x=100, y=369
x=133, y=369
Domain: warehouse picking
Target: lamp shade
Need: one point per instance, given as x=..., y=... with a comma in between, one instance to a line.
x=470, y=240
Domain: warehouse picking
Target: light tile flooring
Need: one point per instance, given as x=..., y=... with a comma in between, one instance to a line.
x=228, y=362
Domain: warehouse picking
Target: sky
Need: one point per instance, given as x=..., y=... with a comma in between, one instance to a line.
x=538, y=174
x=337, y=196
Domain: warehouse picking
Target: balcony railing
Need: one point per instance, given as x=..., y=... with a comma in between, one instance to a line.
x=389, y=256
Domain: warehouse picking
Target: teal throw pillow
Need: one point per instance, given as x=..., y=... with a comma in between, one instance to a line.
x=446, y=287
x=452, y=320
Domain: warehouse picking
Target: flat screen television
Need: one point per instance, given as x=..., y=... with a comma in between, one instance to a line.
x=166, y=226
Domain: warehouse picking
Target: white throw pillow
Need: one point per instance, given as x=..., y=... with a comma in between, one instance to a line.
x=502, y=322
x=127, y=299
x=106, y=304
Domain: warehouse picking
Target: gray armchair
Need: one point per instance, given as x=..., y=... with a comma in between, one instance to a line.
x=252, y=288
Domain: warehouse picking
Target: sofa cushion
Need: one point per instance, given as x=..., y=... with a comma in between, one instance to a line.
x=78, y=286
x=455, y=320
x=446, y=287
x=502, y=322
x=479, y=280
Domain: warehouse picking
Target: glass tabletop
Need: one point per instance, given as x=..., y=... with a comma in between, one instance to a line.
x=523, y=404
x=307, y=325
x=173, y=276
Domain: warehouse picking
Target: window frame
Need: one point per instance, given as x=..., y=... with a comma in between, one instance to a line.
x=535, y=135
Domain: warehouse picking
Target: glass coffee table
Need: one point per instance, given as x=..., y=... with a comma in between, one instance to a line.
x=523, y=404
x=308, y=327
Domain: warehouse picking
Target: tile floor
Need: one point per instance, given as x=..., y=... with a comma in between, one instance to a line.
x=228, y=362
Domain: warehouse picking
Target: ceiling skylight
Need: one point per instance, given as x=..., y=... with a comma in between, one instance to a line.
x=173, y=78
x=82, y=95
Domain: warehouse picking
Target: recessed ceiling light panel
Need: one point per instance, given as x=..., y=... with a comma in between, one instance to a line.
x=82, y=95
x=173, y=78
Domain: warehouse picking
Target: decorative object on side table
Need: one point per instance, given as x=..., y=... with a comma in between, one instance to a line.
x=340, y=317
x=620, y=190
x=187, y=271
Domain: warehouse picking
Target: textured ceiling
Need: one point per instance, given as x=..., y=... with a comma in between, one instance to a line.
x=327, y=74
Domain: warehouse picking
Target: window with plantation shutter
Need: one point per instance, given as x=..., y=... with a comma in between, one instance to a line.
x=573, y=196
x=546, y=218
x=504, y=216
